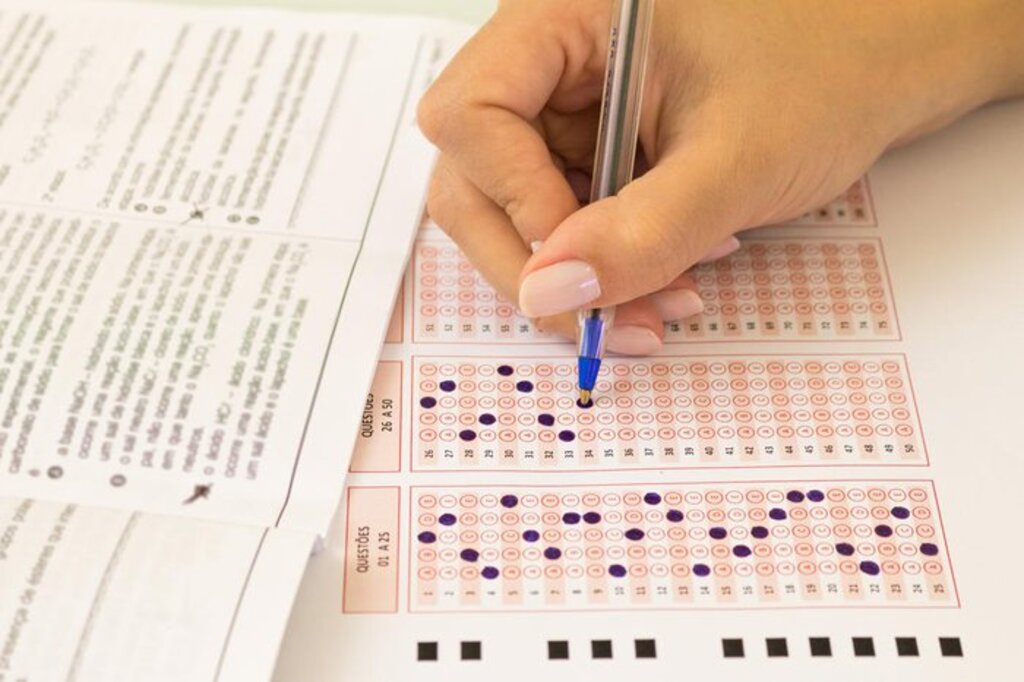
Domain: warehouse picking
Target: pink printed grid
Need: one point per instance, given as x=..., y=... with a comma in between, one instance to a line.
x=672, y=412
x=453, y=303
x=770, y=290
x=794, y=290
x=760, y=545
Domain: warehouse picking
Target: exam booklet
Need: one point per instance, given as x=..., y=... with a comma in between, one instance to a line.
x=204, y=218
x=818, y=477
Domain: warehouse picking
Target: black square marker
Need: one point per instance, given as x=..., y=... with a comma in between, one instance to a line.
x=645, y=648
x=907, y=646
x=950, y=646
x=471, y=651
x=863, y=646
x=600, y=648
x=821, y=646
x=732, y=648
x=558, y=650
x=426, y=651
x=777, y=647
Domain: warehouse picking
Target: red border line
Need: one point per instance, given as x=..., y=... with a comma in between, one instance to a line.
x=399, y=422
x=398, y=546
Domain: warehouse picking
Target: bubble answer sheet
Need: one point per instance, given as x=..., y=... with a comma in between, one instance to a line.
x=817, y=478
x=204, y=217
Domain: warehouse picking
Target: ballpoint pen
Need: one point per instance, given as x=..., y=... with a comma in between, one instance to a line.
x=615, y=153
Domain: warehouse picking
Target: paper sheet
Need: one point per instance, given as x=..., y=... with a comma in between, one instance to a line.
x=204, y=217
x=99, y=594
x=816, y=478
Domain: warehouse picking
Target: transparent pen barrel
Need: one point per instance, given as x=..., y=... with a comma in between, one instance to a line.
x=624, y=84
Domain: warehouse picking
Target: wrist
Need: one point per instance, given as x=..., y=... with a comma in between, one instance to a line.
x=963, y=55
x=1007, y=48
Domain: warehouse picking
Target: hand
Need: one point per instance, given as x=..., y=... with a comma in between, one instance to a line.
x=753, y=113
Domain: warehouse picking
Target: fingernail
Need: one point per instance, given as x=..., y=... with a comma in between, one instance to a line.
x=557, y=288
x=677, y=304
x=722, y=250
x=632, y=340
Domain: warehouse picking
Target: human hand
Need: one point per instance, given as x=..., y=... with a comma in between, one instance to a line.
x=753, y=113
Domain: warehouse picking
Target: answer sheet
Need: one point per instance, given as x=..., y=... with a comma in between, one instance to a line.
x=204, y=217
x=817, y=477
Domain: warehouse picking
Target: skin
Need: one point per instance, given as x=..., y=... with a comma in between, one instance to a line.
x=754, y=113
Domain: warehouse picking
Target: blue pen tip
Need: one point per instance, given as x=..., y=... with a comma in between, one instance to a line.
x=588, y=370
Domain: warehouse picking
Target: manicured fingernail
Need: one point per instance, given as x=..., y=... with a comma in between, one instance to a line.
x=632, y=340
x=557, y=288
x=677, y=304
x=722, y=250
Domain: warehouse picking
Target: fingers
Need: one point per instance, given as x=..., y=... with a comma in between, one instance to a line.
x=638, y=242
x=489, y=241
x=723, y=249
x=478, y=226
x=678, y=301
x=638, y=328
x=479, y=113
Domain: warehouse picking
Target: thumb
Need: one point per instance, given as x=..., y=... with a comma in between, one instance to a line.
x=637, y=242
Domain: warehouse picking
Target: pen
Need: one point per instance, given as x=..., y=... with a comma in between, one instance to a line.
x=615, y=154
